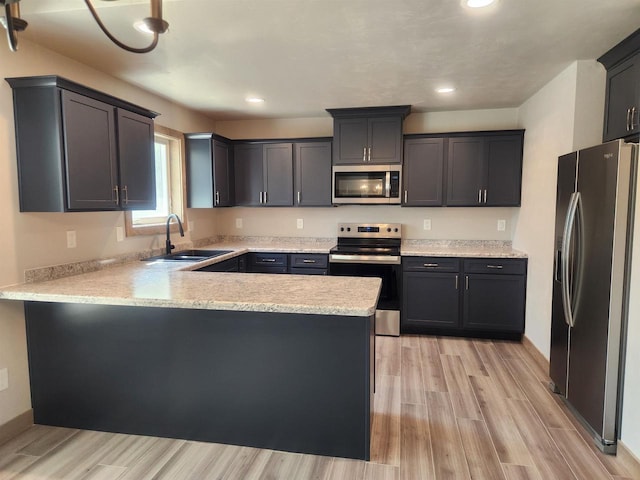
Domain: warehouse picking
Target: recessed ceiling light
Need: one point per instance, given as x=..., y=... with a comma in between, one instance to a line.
x=479, y=3
x=445, y=90
x=254, y=100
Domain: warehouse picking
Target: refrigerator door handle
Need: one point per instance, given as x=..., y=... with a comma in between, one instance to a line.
x=569, y=225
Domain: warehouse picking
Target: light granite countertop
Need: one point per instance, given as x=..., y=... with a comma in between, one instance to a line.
x=175, y=285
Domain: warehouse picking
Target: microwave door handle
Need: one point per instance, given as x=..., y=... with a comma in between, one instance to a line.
x=388, y=184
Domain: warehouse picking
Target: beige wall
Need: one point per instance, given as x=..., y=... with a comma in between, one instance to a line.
x=39, y=239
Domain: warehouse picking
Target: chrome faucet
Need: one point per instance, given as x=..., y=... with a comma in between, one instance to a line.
x=168, y=242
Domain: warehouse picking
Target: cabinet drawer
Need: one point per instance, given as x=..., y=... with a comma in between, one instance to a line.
x=268, y=259
x=308, y=271
x=430, y=264
x=230, y=265
x=511, y=266
x=309, y=260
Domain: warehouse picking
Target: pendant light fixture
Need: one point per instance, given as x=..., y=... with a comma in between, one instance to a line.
x=154, y=24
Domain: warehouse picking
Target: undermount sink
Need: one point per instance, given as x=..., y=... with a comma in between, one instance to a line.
x=188, y=255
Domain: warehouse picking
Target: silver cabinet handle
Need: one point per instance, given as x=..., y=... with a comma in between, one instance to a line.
x=485, y=195
x=307, y=260
x=369, y=154
x=217, y=197
x=431, y=265
x=499, y=267
x=633, y=116
x=261, y=197
x=265, y=198
x=466, y=282
x=126, y=195
x=364, y=154
x=405, y=196
x=479, y=195
x=299, y=197
x=268, y=260
x=628, y=121
x=457, y=282
x=117, y=192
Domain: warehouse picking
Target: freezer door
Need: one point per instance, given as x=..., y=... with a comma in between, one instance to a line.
x=603, y=183
x=567, y=165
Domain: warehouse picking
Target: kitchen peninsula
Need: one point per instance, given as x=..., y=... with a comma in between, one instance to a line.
x=282, y=362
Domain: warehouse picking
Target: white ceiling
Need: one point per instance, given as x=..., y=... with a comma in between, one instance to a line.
x=303, y=56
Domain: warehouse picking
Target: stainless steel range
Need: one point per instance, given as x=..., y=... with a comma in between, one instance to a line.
x=372, y=250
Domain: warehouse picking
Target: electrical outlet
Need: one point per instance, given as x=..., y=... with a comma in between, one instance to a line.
x=119, y=234
x=4, y=379
x=300, y=223
x=71, y=239
x=190, y=225
x=427, y=224
x=502, y=225
x=238, y=223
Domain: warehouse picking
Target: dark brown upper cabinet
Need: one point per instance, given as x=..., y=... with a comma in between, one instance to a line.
x=79, y=149
x=368, y=135
x=622, y=104
x=209, y=171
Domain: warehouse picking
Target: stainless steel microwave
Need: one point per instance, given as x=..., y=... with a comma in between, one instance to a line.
x=366, y=184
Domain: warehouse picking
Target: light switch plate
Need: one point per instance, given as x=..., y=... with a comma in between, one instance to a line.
x=238, y=223
x=119, y=234
x=4, y=379
x=502, y=225
x=300, y=223
x=427, y=224
x=71, y=239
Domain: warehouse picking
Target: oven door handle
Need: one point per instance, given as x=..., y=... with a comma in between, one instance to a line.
x=371, y=259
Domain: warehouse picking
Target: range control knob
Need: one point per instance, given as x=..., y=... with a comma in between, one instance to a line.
x=342, y=229
x=395, y=230
x=388, y=229
x=348, y=229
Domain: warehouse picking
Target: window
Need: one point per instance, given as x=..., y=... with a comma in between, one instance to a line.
x=169, y=192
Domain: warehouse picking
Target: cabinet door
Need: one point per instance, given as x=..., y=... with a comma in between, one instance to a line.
x=313, y=174
x=90, y=153
x=248, y=174
x=465, y=171
x=504, y=170
x=278, y=169
x=350, y=140
x=137, y=161
x=423, y=171
x=430, y=299
x=623, y=94
x=385, y=140
x=494, y=302
x=222, y=175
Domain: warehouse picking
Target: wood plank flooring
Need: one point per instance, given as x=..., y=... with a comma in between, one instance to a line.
x=445, y=408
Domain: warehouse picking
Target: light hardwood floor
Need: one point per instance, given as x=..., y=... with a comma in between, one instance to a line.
x=445, y=408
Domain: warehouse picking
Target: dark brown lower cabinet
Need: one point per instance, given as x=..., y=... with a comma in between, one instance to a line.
x=474, y=297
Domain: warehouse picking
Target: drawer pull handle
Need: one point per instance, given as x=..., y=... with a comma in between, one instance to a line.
x=306, y=260
x=431, y=264
x=495, y=266
x=268, y=260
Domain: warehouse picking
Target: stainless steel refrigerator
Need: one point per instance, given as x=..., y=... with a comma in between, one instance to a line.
x=594, y=225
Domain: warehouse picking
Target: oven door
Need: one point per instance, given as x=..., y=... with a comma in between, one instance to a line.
x=388, y=309
x=366, y=184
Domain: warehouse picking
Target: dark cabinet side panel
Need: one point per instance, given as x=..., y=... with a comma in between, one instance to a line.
x=199, y=169
x=465, y=171
x=504, y=170
x=313, y=174
x=137, y=161
x=90, y=147
x=248, y=174
x=423, y=172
